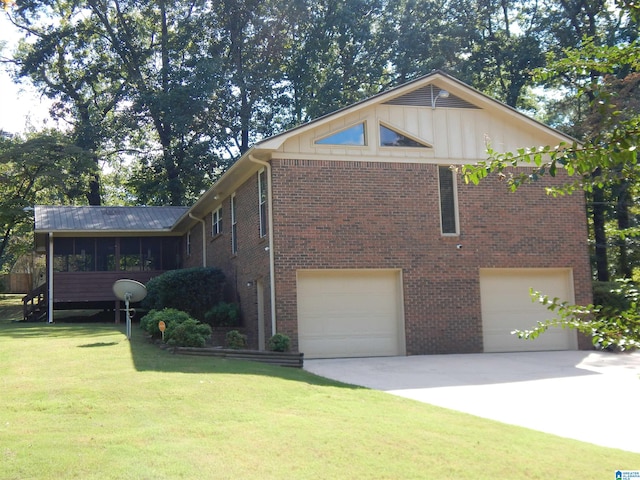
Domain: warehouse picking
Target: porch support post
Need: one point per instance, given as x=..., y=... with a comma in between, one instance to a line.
x=117, y=311
x=50, y=273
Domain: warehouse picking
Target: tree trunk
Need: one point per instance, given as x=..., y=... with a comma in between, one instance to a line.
x=598, y=215
x=622, y=217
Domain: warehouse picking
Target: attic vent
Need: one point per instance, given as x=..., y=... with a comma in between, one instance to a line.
x=421, y=97
x=111, y=211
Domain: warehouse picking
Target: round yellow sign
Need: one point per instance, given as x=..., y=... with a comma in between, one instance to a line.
x=161, y=326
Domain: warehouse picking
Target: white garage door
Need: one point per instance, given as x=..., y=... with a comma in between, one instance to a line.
x=507, y=306
x=350, y=313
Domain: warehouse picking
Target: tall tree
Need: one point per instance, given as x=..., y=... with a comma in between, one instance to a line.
x=121, y=68
x=42, y=168
x=338, y=57
x=591, y=25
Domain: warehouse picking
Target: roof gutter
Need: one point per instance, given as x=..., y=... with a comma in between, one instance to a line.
x=204, y=238
x=272, y=262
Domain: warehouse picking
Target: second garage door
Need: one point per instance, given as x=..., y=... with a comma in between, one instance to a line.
x=350, y=313
x=507, y=306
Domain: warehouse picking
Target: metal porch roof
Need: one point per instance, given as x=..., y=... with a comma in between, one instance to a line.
x=92, y=218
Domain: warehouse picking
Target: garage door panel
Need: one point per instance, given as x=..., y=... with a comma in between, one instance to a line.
x=507, y=306
x=344, y=313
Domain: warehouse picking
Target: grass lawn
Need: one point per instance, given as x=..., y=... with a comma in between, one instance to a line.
x=80, y=401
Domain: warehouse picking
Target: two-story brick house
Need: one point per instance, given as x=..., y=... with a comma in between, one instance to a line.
x=354, y=234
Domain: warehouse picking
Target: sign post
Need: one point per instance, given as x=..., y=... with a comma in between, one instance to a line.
x=162, y=326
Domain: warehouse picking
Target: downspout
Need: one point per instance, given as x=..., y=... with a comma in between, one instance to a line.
x=272, y=257
x=50, y=289
x=204, y=239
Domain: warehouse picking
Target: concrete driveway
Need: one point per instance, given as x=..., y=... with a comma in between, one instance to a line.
x=585, y=395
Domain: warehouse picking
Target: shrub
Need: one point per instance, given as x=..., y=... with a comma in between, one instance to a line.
x=170, y=316
x=279, y=343
x=189, y=333
x=236, y=340
x=193, y=290
x=223, y=315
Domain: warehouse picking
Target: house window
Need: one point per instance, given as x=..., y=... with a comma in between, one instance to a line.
x=234, y=226
x=262, y=201
x=353, y=135
x=392, y=138
x=188, y=243
x=216, y=222
x=448, y=201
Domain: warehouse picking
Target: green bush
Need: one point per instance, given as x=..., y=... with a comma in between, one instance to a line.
x=236, y=340
x=192, y=290
x=279, y=343
x=189, y=333
x=181, y=329
x=223, y=315
x=170, y=317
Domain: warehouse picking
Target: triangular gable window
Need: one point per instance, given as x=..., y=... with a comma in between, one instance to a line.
x=349, y=136
x=391, y=138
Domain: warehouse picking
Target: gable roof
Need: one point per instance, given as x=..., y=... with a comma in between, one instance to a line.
x=106, y=219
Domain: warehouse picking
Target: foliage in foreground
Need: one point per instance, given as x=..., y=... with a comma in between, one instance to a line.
x=609, y=77
x=609, y=326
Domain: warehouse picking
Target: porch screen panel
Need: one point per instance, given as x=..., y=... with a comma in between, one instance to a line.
x=84, y=256
x=151, y=253
x=130, y=255
x=170, y=253
x=62, y=251
x=106, y=254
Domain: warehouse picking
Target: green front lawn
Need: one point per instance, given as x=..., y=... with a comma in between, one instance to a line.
x=80, y=401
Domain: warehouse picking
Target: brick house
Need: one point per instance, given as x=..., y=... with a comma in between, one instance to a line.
x=354, y=235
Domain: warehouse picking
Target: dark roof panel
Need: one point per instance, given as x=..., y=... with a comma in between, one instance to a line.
x=54, y=218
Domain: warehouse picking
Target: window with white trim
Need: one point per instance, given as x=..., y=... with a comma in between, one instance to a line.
x=262, y=201
x=448, y=200
x=234, y=226
x=216, y=222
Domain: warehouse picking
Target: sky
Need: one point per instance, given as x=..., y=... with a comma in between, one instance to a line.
x=21, y=108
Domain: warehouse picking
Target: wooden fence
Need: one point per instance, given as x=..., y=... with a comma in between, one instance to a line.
x=16, y=283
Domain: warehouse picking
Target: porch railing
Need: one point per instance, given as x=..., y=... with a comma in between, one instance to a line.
x=34, y=304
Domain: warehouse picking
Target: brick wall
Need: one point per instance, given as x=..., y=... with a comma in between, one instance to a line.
x=244, y=270
x=386, y=215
